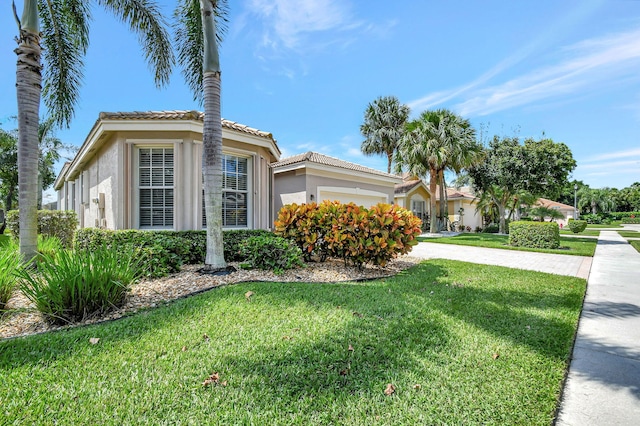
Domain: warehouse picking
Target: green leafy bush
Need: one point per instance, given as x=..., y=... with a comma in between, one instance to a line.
x=271, y=253
x=51, y=223
x=158, y=252
x=491, y=229
x=349, y=232
x=232, y=241
x=10, y=264
x=577, y=226
x=163, y=252
x=630, y=220
x=534, y=234
x=74, y=286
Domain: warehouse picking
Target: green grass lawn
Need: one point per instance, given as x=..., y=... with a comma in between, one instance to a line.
x=636, y=245
x=4, y=239
x=614, y=224
x=568, y=245
x=586, y=232
x=461, y=343
x=629, y=234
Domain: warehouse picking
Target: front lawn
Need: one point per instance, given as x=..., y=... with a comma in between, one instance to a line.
x=635, y=244
x=450, y=342
x=629, y=234
x=613, y=224
x=568, y=245
x=585, y=233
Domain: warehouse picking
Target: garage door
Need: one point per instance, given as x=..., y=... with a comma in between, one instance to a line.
x=358, y=197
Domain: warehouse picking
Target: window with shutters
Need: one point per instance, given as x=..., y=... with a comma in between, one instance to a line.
x=155, y=187
x=235, y=192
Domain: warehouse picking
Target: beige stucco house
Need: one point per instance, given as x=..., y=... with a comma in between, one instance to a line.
x=413, y=194
x=314, y=177
x=142, y=170
x=567, y=211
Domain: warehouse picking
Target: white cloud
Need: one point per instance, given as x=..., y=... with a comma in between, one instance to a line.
x=634, y=152
x=288, y=22
x=590, y=63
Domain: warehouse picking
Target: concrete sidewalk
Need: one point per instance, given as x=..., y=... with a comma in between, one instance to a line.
x=560, y=264
x=603, y=384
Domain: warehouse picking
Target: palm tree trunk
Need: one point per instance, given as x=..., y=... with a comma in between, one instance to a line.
x=444, y=202
x=433, y=182
x=28, y=88
x=212, y=171
x=212, y=142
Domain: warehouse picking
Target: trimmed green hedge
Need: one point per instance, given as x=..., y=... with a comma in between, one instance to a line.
x=630, y=220
x=534, y=234
x=163, y=252
x=577, y=226
x=51, y=223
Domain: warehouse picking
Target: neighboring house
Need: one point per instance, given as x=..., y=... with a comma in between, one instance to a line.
x=567, y=211
x=143, y=170
x=313, y=177
x=413, y=194
x=461, y=207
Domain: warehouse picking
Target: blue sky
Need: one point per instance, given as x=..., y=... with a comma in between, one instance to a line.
x=305, y=70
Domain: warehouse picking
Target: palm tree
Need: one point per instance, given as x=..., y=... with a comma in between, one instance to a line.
x=199, y=28
x=384, y=125
x=595, y=199
x=438, y=140
x=65, y=36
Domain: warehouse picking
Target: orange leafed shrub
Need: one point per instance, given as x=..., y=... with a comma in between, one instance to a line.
x=350, y=232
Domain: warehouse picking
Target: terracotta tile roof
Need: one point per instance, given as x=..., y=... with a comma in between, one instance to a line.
x=406, y=186
x=180, y=115
x=552, y=204
x=314, y=157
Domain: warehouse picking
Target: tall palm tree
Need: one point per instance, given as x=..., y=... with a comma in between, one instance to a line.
x=438, y=140
x=199, y=26
x=65, y=36
x=384, y=124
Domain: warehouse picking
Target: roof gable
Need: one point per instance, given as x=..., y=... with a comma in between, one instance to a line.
x=311, y=157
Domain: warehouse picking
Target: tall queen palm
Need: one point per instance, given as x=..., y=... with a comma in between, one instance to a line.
x=65, y=36
x=199, y=26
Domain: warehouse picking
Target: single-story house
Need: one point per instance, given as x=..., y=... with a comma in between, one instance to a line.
x=142, y=170
x=461, y=207
x=314, y=177
x=412, y=194
x=568, y=212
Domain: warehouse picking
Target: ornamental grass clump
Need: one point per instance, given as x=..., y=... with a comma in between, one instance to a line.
x=10, y=264
x=75, y=286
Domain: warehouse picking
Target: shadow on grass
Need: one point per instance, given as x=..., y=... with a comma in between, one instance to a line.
x=401, y=329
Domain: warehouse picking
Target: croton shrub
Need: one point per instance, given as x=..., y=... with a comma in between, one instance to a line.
x=346, y=231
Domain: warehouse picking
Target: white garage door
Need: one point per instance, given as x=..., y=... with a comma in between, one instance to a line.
x=361, y=197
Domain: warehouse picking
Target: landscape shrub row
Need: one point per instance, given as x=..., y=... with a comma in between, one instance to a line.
x=534, y=234
x=51, y=223
x=346, y=231
x=163, y=252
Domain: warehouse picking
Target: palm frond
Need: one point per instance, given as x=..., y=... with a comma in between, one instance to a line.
x=189, y=39
x=65, y=38
x=146, y=20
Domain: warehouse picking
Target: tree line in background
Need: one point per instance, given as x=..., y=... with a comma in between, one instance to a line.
x=506, y=173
